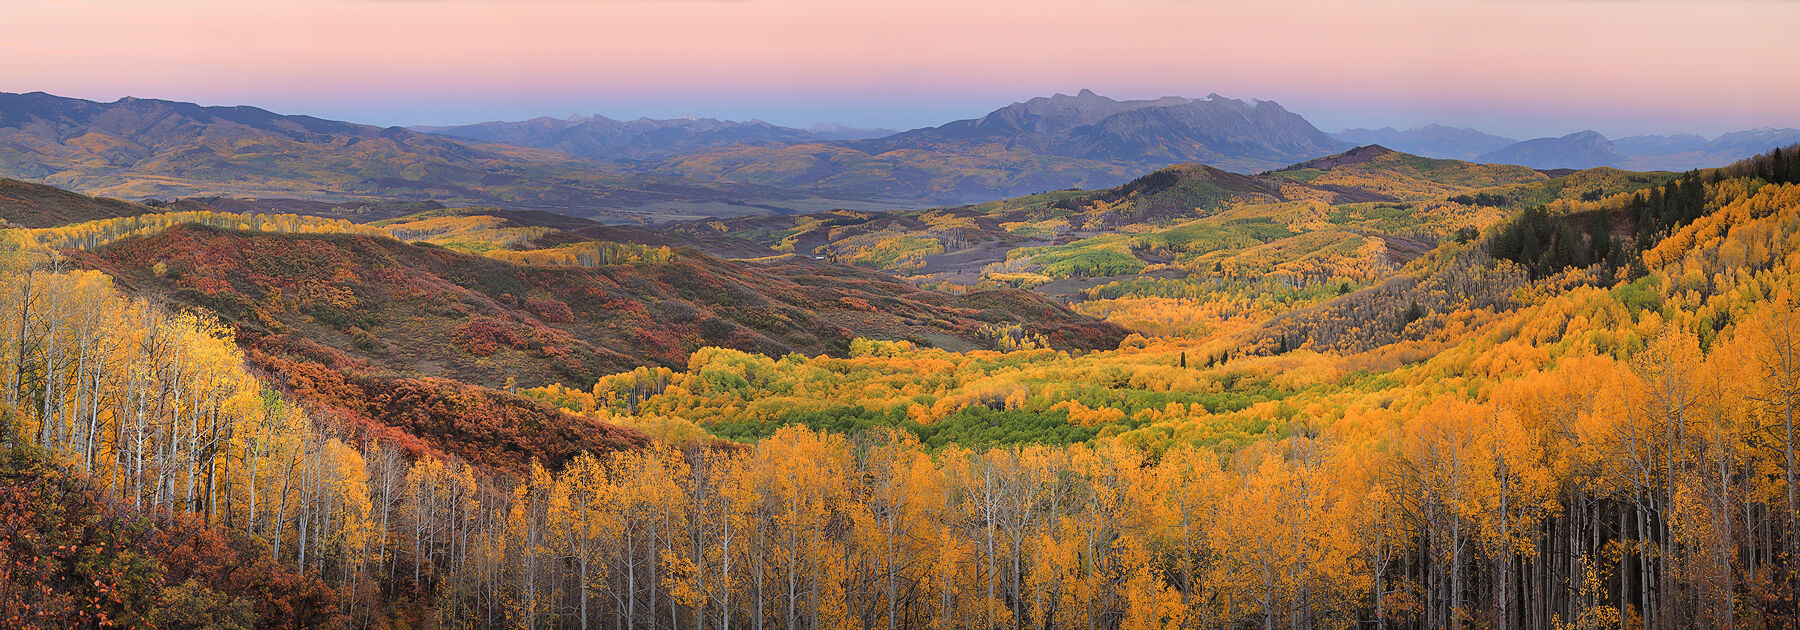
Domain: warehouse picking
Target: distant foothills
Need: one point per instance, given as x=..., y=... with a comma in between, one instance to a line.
x=1579, y=150
x=647, y=170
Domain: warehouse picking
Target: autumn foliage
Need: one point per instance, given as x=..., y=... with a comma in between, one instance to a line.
x=1458, y=435
x=74, y=559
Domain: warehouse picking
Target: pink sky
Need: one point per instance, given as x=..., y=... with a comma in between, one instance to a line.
x=1517, y=67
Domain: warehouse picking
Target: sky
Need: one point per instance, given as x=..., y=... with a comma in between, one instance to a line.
x=1522, y=68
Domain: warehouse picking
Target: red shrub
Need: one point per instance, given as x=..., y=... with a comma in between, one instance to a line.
x=71, y=558
x=483, y=336
x=553, y=311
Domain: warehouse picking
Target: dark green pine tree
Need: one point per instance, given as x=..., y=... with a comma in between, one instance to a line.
x=1600, y=238
x=1646, y=221
x=1413, y=313
x=1528, y=249
x=1563, y=252
x=1693, y=196
x=1784, y=166
x=1659, y=204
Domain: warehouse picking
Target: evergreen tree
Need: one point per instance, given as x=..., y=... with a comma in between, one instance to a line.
x=1413, y=313
x=1528, y=248
x=1600, y=238
x=1563, y=252
x=1646, y=220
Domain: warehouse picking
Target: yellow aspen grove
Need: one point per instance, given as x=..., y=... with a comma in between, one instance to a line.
x=1507, y=430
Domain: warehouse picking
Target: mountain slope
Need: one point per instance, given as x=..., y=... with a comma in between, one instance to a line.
x=1432, y=141
x=1678, y=152
x=602, y=138
x=136, y=148
x=1234, y=135
x=77, y=557
x=1046, y=143
x=1176, y=231
x=1688, y=151
x=1646, y=145
x=1218, y=131
x=387, y=307
x=24, y=204
x=1582, y=149
x=1381, y=174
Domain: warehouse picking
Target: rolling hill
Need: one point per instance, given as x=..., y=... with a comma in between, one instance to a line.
x=1171, y=222
x=419, y=310
x=28, y=205
x=418, y=344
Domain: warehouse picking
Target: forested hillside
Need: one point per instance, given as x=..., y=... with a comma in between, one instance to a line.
x=1369, y=391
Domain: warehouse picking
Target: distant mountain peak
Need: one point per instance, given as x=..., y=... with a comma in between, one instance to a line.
x=1443, y=128
x=644, y=139
x=1579, y=150
x=1358, y=155
x=1431, y=140
x=839, y=131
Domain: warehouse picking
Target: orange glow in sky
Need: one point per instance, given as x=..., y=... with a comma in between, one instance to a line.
x=1519, y=67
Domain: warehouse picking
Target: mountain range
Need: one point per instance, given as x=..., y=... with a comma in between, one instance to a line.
x=1434, y=140
x=649, y=170
x=136, y=148
x=1583, y=149
x=601, y=138
x=1045, y=143
x=1588, y=149
x=1687, y=151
